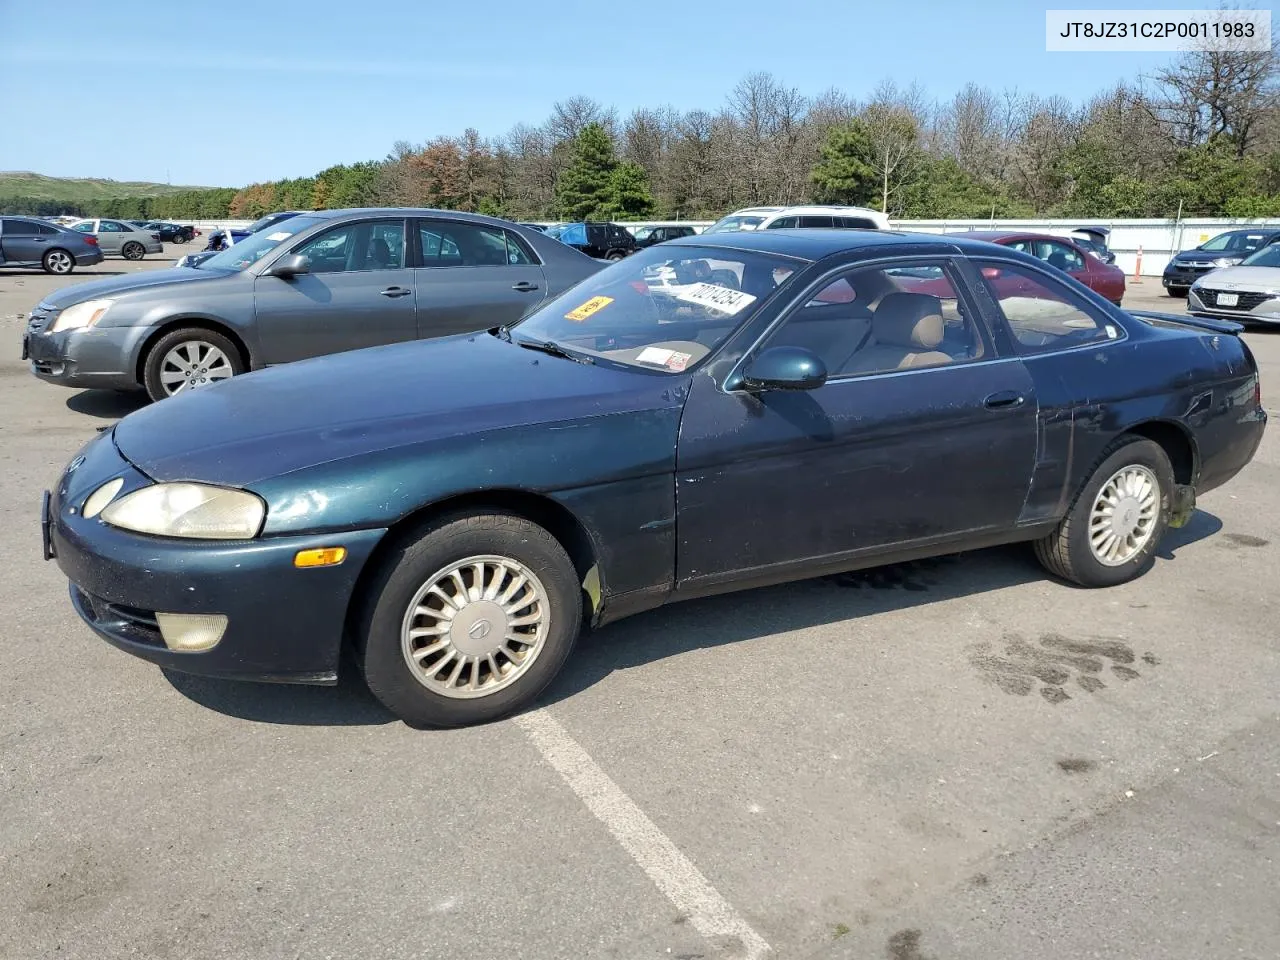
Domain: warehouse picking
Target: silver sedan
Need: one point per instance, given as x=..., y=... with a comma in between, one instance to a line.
x=117, y=238
x=1249, y=292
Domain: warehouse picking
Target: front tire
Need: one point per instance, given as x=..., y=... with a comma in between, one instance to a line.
x=1180, y=292
x=1111, y=532
x=469, y=621
x=58, y=262
x=188, y=359
x=615, y=255
x=133, y=251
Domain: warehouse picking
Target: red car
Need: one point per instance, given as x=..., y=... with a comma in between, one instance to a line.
x=1063, y=253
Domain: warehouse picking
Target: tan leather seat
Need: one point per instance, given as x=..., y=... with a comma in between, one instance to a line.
x=906, y=331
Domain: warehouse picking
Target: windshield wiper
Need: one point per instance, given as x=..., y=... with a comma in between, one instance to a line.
x=554, y=349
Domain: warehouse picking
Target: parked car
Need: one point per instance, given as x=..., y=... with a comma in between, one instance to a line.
x=172, y=232
x=28, y=242
x=116, y=238
x=775, y=218
x=598, y=239
x=1094, y=240
x=1065, y=255
x=1225, y=250
x=648, y=236
x=218, y=239
x=314, y=284
x=457, y=510
x=1248, y=292
x=540, y=227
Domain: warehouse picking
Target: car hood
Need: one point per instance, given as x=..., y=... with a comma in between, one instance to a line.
x=288, y=418
x=1245, y=278
x=115, y=286
x=1206, y=255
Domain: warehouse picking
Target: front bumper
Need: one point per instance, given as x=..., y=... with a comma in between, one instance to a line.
x=283, y=624
x=1205, y=305
x=1182, y=276
x=97, y=358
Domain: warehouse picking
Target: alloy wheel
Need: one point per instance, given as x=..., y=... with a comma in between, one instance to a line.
x=1124, y=515
x=193, y=364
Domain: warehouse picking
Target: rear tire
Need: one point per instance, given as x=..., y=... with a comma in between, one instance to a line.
x=58, y=262
x=1078, y=550
x=133, y=251
x=405, y=637
x=155, y=369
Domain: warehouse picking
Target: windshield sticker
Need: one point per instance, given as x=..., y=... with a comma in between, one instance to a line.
x=678, y=361
x=655, y=355
x=594, y=305
x=279, y=235
x=716, y=297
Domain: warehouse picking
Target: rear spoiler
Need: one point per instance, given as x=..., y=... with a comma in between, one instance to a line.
x=1200, y=323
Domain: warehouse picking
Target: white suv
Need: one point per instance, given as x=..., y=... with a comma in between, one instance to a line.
x=773, y=218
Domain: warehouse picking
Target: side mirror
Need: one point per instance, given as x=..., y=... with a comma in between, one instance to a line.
x=290, y=266
x=785, y=368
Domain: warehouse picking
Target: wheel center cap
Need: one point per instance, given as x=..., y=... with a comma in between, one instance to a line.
x=1125, y=520
x=478, y=628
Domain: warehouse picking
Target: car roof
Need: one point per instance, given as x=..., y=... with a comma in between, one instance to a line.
x=816, y=243
x=994, y=236
x=1247, y=230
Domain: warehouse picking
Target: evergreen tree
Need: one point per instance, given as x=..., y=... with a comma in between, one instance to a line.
x=586, y=187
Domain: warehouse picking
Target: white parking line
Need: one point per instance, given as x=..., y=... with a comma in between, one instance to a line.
x=669, y=869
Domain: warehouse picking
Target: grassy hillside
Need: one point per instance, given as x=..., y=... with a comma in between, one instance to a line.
x=78, y=190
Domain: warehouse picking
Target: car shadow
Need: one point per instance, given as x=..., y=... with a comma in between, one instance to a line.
x=38, y=272
x=681, y=628
x=111, y=404
x=349, y=704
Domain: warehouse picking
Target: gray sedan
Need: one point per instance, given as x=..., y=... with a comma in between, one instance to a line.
x=315, y=284
x=118, y=238
x=1247, y=292
x=28, y=242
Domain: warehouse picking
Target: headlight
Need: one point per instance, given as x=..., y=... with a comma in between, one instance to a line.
x=190, y=510
x=1226, y=261
x=81, y=315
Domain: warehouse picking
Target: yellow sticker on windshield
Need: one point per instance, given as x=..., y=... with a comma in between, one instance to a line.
x=595, y=304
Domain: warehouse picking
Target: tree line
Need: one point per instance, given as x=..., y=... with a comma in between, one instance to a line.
x=1201, y=136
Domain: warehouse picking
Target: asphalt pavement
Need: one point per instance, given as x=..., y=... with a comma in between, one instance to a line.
x=840, y=768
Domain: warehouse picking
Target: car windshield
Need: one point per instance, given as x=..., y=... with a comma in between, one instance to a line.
x=643, y=232
x=1234, y=242
x=664, y=309
x=732, y=224
x=263, y=222
x=1268, y=256
x=253, y=247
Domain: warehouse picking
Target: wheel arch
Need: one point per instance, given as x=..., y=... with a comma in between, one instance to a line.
x=547, y=512
x=198, y=323
x=1178, y=444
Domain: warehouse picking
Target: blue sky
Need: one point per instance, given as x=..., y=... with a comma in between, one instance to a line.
x=224, y=94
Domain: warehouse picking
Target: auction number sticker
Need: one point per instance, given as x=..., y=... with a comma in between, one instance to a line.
x=594, y=305
x=277, y=237
x=670, y=359
x=716, y=297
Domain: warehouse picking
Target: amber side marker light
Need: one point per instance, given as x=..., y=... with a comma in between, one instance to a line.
x=320, y=557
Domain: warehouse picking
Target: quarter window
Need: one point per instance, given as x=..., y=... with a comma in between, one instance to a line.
x=1042, y=314
x=1059, y=255
x=884, y=319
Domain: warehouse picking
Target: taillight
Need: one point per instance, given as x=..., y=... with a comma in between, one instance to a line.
x=90, y=239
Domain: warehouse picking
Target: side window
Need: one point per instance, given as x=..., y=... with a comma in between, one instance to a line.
x=20, y=228
x=816, y=222
x=1043, y=314
x=45, y=230
x=1059, y=255
x=784, y=223
x=884, y=319
x=109, y=226
x=86, y=227
x=364, y=245
x=517, y=253
x=448, y=244
x=855, y=223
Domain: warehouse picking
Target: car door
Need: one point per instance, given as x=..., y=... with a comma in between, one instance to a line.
x=921, y=434
x=111, y=236
x=359, y=292
x=473, y=276
x=21, y=241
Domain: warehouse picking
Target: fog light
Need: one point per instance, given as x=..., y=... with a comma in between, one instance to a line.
x=320, y=557
x=191, y=632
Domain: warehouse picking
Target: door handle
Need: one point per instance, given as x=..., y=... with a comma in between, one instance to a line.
x=1004, y=400
x=524, y=286
x=396, y=292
